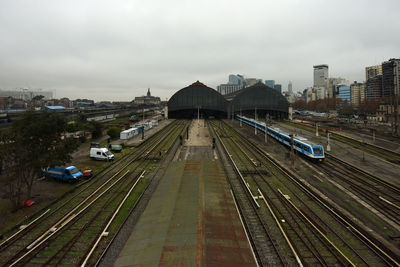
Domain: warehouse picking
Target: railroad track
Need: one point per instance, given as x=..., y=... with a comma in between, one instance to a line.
x=380, y=194
x=265, y=247
x=67, y=235
x=318, y=233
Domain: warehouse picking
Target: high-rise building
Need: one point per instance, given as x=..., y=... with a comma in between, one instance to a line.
x=270, y=83
x=344, y=93
x=225, y=89
x=373, y=71
x=237, y=79
x=357, y=92
x=320, y=93
x=373, y=87
x=321, y=75
x=251, y=81
x=390, y=78
x=278, y=87
x=333, y=84
x=290, y=88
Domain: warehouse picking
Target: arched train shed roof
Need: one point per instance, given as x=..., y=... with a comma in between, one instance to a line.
x=259, y=96
x=197, y=95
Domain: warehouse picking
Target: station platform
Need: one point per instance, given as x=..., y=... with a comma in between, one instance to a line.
x=191, y=219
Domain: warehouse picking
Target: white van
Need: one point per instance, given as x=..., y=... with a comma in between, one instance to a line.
x=101, y=154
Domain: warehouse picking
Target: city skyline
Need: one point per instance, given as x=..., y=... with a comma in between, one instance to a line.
x=105, y=51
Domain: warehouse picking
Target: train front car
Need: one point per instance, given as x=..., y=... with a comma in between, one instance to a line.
x=318, y=154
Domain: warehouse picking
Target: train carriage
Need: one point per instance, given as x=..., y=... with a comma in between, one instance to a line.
x=312, y=151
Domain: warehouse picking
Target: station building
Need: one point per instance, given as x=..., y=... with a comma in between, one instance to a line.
x=199, y=99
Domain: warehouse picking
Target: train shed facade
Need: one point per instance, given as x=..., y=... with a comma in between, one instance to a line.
x=197, y=98
x=261, y=99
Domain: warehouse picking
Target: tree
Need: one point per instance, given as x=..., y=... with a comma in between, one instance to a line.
x=95, y=127
x=346, y=109
x=114, y=132
x=38, y=97
x=34, y=143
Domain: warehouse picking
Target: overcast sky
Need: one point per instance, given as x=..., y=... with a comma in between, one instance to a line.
x=115, y=50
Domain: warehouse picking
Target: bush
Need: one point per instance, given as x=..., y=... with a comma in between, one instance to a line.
x=113, y=132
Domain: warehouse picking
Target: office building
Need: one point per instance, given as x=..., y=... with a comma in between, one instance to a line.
x=270, y=83
x=278, y=87
x=237, y=79
x=333, y=84
x=321, y=75
x=373, y=71
x=357, y=92
x=344, y=93
x=320, y=93
x=290, y=88
x=225, y=89
x=251, y=81
x=390, y=78
x=373, y=87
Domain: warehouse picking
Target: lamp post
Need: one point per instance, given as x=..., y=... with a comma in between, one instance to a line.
x=328, y=146
x=291, y=150
x=240, y=116
x=265, y=128
x=255, y=119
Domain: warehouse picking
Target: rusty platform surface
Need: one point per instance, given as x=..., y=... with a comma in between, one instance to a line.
x=191, y=220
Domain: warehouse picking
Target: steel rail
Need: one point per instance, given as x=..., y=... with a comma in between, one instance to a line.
x=104, y=232
x=106, y=170
x=341, y=218
x=63, y=223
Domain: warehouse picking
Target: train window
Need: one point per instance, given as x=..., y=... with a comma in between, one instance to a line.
x=306, y=148
x=317, y=150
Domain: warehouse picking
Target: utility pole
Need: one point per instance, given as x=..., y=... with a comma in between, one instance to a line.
x=328, y=146
x=240, y=116
x=265, y=127
x=316, y=129
x=255, y=119
x=373, y=135
x=291, y=150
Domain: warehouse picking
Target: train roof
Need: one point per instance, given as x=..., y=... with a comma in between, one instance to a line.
x=295, y=137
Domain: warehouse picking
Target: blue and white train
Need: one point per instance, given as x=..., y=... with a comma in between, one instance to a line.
x=310, y=150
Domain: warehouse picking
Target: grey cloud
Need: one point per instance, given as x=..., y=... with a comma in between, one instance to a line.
x=116, y=49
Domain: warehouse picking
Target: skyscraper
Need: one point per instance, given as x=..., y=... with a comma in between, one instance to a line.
x=373, y=87
x=321, y=75
x=290, y=89
x=390, y=78
x=372, y=71
x=237, y=79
